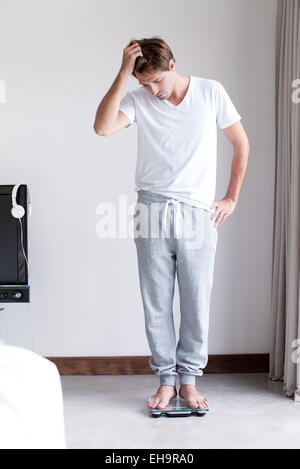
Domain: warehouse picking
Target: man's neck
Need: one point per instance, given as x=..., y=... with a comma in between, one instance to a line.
x=180, y=88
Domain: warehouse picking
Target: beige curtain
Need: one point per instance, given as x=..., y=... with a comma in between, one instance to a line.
x=285, y=354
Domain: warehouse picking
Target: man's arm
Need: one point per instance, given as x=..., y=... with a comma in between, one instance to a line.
x=241, y=148
x=108, y=110
x=237, y=136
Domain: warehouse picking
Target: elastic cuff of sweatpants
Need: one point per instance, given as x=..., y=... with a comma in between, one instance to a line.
x=169, y=380
x=184, y=378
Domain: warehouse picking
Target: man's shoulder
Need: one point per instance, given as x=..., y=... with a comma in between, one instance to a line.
x=207, y=83
x=138, y=93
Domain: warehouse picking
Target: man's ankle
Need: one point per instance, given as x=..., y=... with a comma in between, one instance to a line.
x=167, y=380
x=187, y=386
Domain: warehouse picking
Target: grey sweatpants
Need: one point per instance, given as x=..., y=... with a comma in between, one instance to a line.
x=172, y=236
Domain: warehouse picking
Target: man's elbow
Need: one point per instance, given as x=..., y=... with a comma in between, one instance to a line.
x=247, y=146
x=99, y=131
x=242, y=145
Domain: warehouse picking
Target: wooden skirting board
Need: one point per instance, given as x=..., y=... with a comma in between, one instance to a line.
x=132, y=365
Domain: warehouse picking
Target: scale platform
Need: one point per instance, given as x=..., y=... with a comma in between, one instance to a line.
x=177, y=408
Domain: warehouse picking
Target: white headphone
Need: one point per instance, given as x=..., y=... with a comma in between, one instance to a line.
x=18, y=211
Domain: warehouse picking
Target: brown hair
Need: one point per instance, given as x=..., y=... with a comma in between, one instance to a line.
x=156, y=55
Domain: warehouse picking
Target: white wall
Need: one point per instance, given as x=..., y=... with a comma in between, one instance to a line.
x=15, y=325
x=58, y=59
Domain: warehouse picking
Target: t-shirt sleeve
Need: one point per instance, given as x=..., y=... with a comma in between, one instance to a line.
x=127, y=106
x=226, y=113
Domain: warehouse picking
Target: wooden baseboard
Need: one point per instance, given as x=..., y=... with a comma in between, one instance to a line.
x=132, y=365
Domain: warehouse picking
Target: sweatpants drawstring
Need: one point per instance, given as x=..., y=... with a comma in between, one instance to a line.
x=177, y=214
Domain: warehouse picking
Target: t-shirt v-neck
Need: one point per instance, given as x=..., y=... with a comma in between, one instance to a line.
x=183, y=102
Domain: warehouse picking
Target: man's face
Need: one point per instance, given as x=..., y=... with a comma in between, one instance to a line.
x=158, y=83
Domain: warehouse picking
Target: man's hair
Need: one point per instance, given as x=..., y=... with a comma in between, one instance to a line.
x=156, y=55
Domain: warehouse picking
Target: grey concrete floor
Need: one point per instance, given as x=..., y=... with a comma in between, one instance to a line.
x=246, y=411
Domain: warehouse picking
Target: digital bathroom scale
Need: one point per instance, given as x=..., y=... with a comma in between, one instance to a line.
x=177, y=408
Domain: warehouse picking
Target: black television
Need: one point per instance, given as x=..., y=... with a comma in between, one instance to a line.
x=14, y=281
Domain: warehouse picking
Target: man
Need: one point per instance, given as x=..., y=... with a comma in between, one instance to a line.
x=176, y=117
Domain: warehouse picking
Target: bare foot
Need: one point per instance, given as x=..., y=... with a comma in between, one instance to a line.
x=192, y=397
x=161, y=399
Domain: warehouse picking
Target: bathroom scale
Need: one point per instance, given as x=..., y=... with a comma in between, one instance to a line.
x=177, y=408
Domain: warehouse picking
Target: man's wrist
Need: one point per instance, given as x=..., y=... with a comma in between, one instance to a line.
x=230, y=198
x=123, y=74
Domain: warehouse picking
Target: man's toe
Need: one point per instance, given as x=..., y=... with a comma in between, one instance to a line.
x=193, y=404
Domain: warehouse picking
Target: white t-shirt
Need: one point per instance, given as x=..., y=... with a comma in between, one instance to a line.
x=177, y=145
